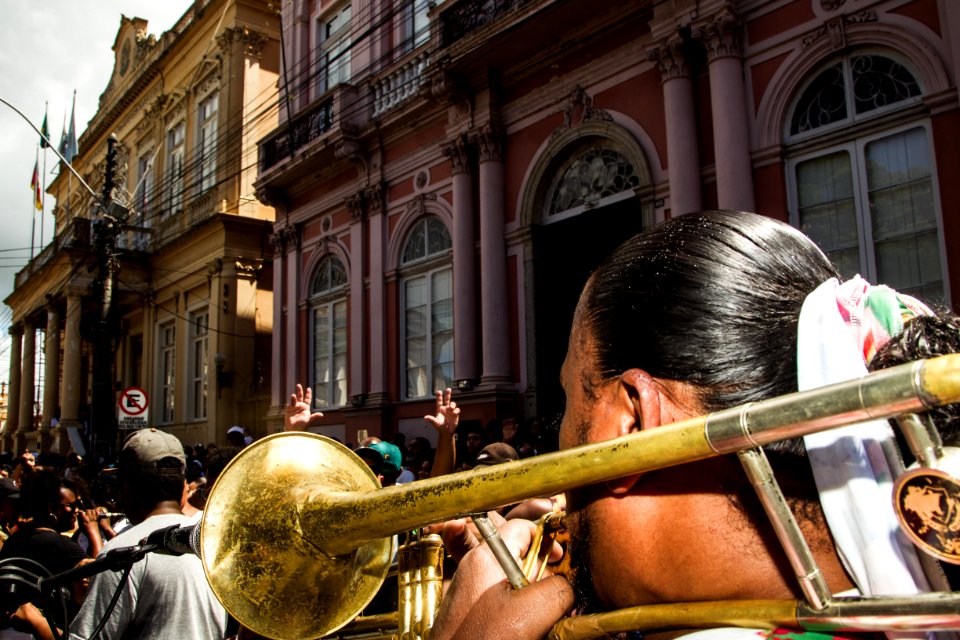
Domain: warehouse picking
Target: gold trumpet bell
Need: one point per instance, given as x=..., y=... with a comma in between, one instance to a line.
x=262, y=561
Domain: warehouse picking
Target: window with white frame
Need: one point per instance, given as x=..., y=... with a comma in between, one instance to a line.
x=427, y=300
x=328, y=304
x=199, y=364
x=868, y=200
x=207, y=140
x=168, y=366
x=175, y=167
x=144, y=194
x=334, y=51
x=414, y=24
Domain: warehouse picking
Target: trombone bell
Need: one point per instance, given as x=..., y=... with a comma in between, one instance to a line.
x=260, y=561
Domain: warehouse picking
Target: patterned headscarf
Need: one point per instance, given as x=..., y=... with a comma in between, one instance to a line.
x=841, y=328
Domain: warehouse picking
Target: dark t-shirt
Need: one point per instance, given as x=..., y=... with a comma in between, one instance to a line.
x=55, y=552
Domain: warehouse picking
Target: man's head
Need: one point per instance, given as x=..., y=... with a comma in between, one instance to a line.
x=151, y=469
x=235, y=436
x=474, y=441
x=494, y=454
x=384, y=459
x=689, y=316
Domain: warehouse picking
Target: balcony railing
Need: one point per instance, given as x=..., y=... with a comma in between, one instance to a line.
x=304, y=129
x=75, y=235
x=401, y=84
x=468, y=15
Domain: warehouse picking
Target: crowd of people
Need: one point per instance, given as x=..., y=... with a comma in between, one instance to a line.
x=702, y=312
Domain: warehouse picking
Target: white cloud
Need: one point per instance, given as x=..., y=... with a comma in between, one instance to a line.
x=51, y=47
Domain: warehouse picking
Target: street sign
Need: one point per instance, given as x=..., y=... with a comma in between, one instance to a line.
x=134, y=405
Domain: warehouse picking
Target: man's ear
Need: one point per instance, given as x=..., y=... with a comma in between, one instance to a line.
x=640, y=393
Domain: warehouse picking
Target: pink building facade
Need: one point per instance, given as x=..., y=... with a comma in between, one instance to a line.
x=446, y=177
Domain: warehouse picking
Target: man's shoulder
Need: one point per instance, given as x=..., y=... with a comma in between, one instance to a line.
x=134, y=534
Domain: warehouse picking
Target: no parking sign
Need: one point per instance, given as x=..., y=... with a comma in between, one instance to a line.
x=133, y=413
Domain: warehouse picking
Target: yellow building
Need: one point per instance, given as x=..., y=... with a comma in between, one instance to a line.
x=168, y=289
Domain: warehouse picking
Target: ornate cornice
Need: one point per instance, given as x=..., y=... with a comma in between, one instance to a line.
x=253, y=41
x=670, y=59
x=722, y=35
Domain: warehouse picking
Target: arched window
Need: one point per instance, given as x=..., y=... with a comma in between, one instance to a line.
x=862, y=190
x=593, y=177
x=328, y=308
x=427, y=302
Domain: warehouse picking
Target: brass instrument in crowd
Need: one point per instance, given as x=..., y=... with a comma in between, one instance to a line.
x=296, y=533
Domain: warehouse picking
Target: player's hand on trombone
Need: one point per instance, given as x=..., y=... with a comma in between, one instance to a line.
x=480, y=593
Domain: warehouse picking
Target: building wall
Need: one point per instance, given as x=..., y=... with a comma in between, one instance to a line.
x=192, y=238
x=474, y=130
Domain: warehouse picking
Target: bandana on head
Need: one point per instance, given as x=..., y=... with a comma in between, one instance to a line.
x=841, y=329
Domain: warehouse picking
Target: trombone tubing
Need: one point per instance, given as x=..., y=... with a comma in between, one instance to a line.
x=348, y=519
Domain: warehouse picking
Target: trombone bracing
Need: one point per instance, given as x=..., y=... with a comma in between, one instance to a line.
x=296, y=534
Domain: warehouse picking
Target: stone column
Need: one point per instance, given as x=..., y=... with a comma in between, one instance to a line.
x=493, y=261
x=51, y=370
x=358, y=312
x=71, y=383
x=292, y=348
x=464, y=265
x=13, y=393
x=683, y=158
x=27, y=377
x=278, y=393
x=722, y=37
x=376, y=227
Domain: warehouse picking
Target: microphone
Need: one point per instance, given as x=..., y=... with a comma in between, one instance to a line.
x=175, y=540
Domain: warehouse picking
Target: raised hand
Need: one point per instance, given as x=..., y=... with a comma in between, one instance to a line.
x=448, y=413
x=296, y=414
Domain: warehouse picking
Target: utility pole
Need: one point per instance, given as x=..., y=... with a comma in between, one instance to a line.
x=103, y=419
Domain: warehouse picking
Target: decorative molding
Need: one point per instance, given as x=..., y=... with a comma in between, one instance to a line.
x=452, y=90
x=670, y=59
x=279, y=242
x=722, y=35
x=830, y=5
x=459, y=153
x=351, y=149
x=152, y=114
x=253, y=41
x=247, y=268
x=375, y=195
x=209, y=83
x=421, y=180
x=418, y=205
x=355, y=204
x=292, y=237
x=836, y=29
x=489, y=142
x=580, y=109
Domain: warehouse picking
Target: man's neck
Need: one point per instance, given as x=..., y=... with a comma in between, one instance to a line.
x=165, y=508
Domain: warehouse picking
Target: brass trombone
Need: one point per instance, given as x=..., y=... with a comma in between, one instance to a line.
x=296, y=533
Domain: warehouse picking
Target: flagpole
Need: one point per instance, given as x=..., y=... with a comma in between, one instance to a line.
x=43, y=175
x=33, y=206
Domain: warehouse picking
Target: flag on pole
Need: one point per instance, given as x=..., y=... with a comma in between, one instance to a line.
x=70, y=150
x=45, y=131
x=62, y=147
x=35, y=186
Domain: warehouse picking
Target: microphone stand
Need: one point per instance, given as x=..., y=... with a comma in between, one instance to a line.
x=19, y=585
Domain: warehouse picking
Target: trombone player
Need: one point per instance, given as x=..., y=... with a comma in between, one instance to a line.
x=697, y=314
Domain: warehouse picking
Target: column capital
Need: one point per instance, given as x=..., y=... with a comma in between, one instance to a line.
x=375, y=196
x=721, y=34
x=355, y=205
x=253, y=41
x=15, y=330
x=670, y=59
x=489, y=141
x=459, y=153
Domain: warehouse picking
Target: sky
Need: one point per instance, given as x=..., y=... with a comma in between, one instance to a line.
x=51, y=48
